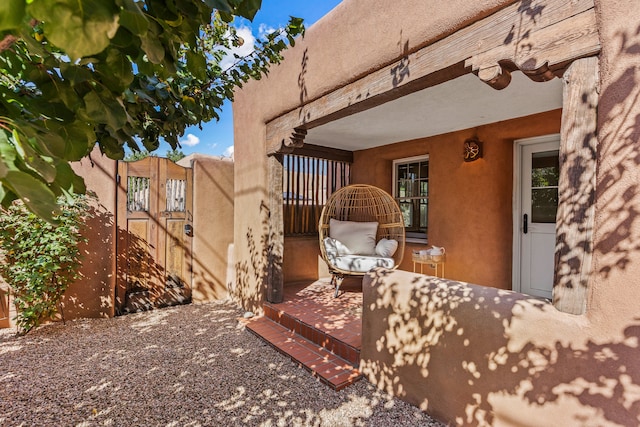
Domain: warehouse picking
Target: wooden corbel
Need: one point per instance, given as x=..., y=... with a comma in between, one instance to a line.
x=538, y=47
x=286, y=142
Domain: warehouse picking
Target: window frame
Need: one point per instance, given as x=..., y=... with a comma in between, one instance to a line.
x=394, y=187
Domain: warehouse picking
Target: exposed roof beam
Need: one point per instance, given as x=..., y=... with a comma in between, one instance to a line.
x=539, y=39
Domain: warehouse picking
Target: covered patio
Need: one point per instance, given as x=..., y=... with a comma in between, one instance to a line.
x=506, y=356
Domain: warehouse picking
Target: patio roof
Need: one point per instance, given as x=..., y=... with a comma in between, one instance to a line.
x=458, y=104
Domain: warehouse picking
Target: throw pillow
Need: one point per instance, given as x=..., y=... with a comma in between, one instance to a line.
x=386, y=247
x=359, y=237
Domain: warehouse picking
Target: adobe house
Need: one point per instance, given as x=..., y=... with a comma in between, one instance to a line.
x=537, y=320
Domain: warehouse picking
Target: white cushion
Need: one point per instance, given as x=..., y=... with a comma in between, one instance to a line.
x=361, y=264
x=386, y=247
x=335, y=248
x=359, y=237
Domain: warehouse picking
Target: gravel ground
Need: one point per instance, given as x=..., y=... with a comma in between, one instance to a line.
x=192, y=365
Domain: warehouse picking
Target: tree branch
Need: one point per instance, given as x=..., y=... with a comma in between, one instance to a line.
x=7, y=42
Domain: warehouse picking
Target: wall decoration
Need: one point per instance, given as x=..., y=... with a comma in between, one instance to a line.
x=472, y=149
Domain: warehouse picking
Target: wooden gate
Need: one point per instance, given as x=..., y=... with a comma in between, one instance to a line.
x=155, y=229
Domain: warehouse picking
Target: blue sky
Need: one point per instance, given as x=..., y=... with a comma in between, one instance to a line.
x=216, y=138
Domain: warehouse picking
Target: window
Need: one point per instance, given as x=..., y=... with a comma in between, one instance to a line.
x=307, y=184
x=411, y=190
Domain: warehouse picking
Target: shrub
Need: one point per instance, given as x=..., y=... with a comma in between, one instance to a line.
x=41, y=258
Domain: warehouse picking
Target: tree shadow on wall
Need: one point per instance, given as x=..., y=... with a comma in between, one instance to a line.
x=264, y=265
x=91, y=295
x=448, y=336
x=455, y=345
x=618, y=162
x=143, y=283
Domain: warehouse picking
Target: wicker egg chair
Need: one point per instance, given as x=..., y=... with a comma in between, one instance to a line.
x=362, y=203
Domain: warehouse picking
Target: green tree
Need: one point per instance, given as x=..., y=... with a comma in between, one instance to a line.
x=41, y=259
x=77, y=72
x=134, y=156
x=175, y=155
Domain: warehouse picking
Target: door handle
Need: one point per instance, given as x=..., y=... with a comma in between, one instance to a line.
x=525, y=226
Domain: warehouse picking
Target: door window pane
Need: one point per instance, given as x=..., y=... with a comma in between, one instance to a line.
x=544, y=205
x=545, y=173
x=545, y=169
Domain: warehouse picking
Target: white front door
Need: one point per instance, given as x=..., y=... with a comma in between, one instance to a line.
x=536, y=199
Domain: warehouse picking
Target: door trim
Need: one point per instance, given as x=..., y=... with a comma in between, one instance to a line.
x=517, y=203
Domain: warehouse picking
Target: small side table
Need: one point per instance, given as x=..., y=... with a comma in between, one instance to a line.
x=435, y=262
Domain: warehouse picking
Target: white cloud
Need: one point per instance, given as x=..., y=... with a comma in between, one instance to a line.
x=265, y=29
x=244, y=50
x=190, y=141
x=228, y=152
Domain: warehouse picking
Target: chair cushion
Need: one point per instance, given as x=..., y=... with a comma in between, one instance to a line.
x=359, y=237
x=386, y=247
x=360, y=263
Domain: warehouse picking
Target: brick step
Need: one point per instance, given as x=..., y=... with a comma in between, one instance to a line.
x=328, y=367
x=323, y=339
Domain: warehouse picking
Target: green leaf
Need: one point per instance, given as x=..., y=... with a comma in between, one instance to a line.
x=49, y=142
x=11, y=14
x=115, y=71
x=135, y=22
x=107, y=110
x=245, y=8
x=36, y=195
x=112, y=148
x=70, y=142
x=248, y=8
x=75, y=74
x=79, y=27
x=3, y=172
x=220, y=5
x=44, y=169
x=8, y=152
x=153, y=48
x=197, y=65
x=67, y=179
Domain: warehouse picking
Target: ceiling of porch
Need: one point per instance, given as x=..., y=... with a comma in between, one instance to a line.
x=462, y=103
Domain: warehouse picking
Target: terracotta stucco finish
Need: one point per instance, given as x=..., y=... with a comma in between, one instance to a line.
x=212, y=225
x=470, y=204
x=93, y=294
x=301, y=259
x=353, y=39
x=475, y=355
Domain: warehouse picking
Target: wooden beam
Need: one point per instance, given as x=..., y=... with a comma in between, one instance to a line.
x=541, y=37
x=543, y=52
x=576, y=187
x=275, y=234
x=327, y=153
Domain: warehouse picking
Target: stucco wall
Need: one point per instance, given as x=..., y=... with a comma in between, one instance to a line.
x=212, y=225
x=353, y=39
x=93, y=294
x=470, y=204
x=510, y=360
x=301, y=259
x=473, y=355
